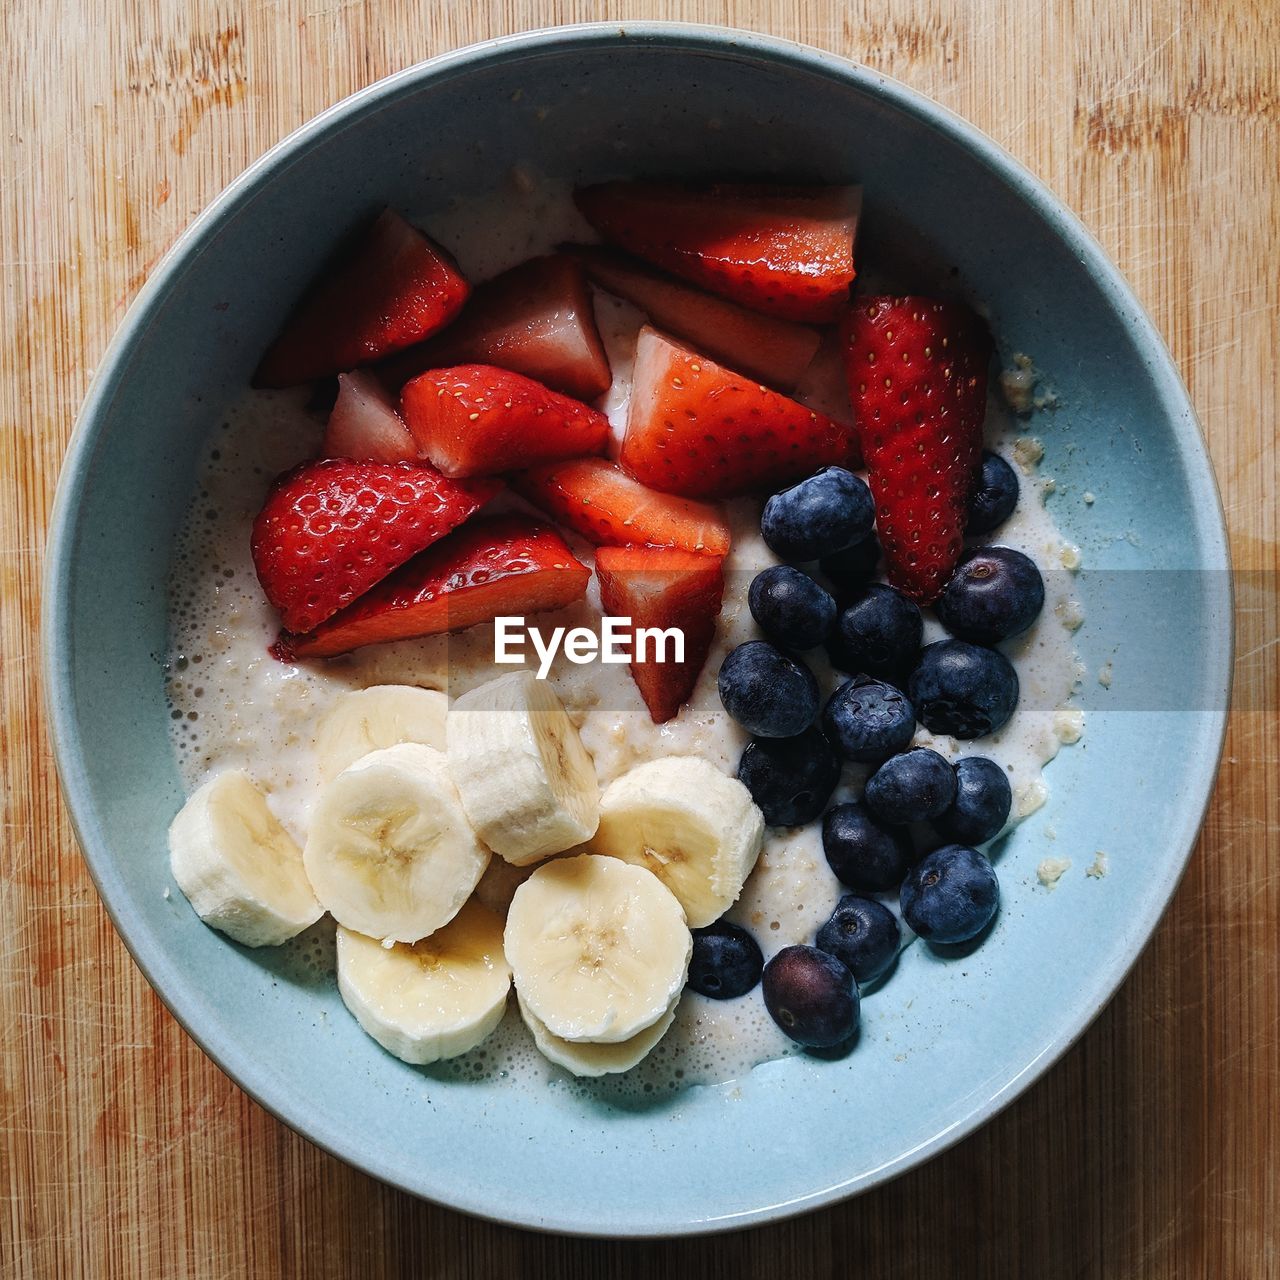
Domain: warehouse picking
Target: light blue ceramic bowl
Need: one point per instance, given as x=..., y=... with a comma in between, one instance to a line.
x=945, y=1045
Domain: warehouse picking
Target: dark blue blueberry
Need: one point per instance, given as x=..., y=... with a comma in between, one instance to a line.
x=767, y=693
x=962, y=689
x=951, y=895
x=790, y=607
x=791, y=779
x=812, y=996
x=995, y=497
x=863, y=854
x=726, y=961
x=982, y=803
x=855, y=566
x=826, y=513
x=868, y=720
x=913, y=787
x=878, y=633
x=995, y=592
x=863, y=934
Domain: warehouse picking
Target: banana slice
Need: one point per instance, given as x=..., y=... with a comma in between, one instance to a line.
x=238, y=866
x=526, y=781
x=695, y=828
x=390, y=853
x=599, y=949
x=382, y=715
x=596, y=1059
x=433, y=999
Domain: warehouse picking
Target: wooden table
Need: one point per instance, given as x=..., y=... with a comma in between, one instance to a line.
x=1153, y=1150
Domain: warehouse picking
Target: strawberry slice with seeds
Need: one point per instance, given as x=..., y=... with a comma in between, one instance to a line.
x=598, y=500
x=785, y=251
x=664, y=587
x=331, y=529
x=536, y=319
x=496, y=566
x=776, y=352
x=475, y=419
x=392, y=288
x=917, y=371
x=364, y=425
x=697, y=429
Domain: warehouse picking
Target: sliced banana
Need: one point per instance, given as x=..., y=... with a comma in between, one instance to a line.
x=695, y=828
x=599, y=949
x=526, y=781
x=238, y=866
x=382, y=715
x=596, y=1059
x=391, y=853
x=433, y=999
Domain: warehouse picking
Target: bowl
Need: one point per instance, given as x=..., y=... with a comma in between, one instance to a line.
x=945, y=1045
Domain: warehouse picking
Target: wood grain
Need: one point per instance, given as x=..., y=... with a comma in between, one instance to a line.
x=1153, y=1150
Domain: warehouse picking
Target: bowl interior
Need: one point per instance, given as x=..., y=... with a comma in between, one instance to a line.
x=944, y=1043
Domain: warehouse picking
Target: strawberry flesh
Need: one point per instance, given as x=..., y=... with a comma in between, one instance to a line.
x=475, y=419
x=598, y=500
x=364, y=424
x=497, y=566
x=330, y=530
x=697, y=429
x=664, y=587
x=917, y=372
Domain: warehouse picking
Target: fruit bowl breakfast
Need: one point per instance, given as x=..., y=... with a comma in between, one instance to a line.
x=610, y=645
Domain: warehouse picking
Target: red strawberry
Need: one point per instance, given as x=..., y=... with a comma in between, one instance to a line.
x=775, y=351
x=825, y=388
x=597, y=499
x=393, y=288
x=664, y=587
x=502, y=565
x=785, y=251
x=475, y=420
x=917, y=372
x=364, y=424
x=536, y=319
x=697, y=429
x=329, y=530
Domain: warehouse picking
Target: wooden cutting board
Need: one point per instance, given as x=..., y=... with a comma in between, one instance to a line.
x=1152, y=1151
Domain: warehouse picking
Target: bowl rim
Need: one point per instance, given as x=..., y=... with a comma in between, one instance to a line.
x=57, y=644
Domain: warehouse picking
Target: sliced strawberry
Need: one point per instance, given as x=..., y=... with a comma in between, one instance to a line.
x=785, y=251
x=597, y=499
x=476, y=420
x=501, y=565
x=825, y=388
x=696, y=429
x=664, y=587
x=775, y=351
x=536, y=319
x=393, y=288
x=364, y=424
x=329, y=530
x=917, y=372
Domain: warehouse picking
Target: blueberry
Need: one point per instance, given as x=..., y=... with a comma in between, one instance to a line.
x=982, y=802
x=995, y=497
x=767, y=693
x=995, y=592
x=877, y=634
x=862, y=853
x=863, y=934
x=855, y=566
x=951, y=895
x=912, y=787
x=790, y=607
x=791, y=779
x=812, y=996
x=726, y=961
x=868, y=720
x=962, y=689
x=826, y=513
